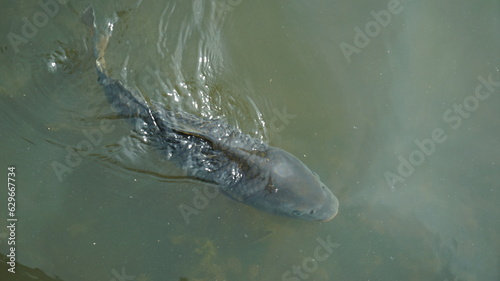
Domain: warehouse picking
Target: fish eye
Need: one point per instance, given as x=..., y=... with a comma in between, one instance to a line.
x=312, y=211
x=296, y=213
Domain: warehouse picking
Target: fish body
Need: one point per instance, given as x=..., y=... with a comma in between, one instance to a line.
x=243, y=168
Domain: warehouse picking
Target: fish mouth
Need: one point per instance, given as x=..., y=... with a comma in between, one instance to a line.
x=330, y=218
x=334, y=209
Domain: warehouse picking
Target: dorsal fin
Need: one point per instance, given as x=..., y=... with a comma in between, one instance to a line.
x=235, y=154
x=192, y=131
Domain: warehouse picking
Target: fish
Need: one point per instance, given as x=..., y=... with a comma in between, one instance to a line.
x=211, y=151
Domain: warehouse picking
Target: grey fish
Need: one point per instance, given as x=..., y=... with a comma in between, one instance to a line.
x=243, y=168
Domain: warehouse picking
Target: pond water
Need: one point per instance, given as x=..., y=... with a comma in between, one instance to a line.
x=394, y=104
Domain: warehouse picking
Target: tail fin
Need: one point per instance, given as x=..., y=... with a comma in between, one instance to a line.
x=88, y=17
x=122, y=99
x=100, y=42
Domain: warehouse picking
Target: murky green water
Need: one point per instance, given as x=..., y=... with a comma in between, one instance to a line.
x=394, y=105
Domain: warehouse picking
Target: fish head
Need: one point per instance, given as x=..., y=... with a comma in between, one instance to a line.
x=293, y=190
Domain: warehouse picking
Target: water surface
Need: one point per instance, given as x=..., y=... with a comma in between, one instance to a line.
x=278, y=72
